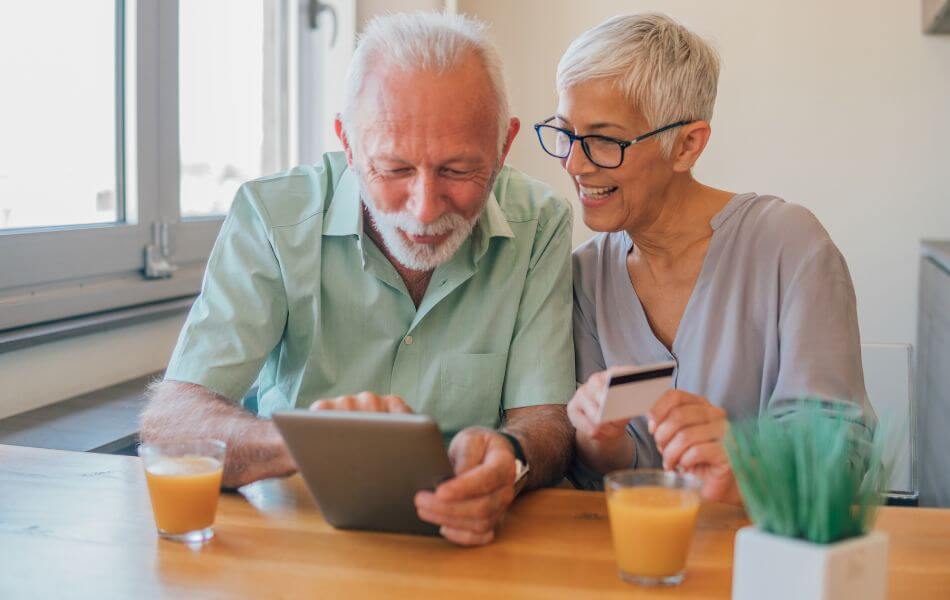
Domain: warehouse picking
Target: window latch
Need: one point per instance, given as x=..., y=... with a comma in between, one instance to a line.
x=315, y=8
x=157, y=254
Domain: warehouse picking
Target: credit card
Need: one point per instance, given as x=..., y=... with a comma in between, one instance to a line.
x=632, y=391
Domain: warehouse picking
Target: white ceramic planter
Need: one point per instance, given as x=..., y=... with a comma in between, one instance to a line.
x=772, y=567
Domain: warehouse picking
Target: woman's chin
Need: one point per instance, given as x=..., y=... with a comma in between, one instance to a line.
x=601, y=221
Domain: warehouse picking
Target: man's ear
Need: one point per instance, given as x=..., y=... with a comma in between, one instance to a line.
x=514, y=126
x=690, y=143
x=344, y=139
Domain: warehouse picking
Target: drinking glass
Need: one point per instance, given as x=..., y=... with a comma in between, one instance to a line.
x=184, y=482
x=652, y=516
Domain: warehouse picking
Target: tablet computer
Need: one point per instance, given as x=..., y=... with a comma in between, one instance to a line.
x=363, y=469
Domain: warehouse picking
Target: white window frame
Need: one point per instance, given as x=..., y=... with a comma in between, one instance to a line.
x=55, y=273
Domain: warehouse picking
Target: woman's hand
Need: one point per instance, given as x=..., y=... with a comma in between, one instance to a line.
x=603, y=447
x=688, y=431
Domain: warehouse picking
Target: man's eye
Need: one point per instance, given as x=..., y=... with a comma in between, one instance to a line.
x=455, y=172
x=399, y=171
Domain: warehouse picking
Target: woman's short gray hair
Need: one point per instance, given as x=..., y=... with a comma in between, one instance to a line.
x=426, y=41
x=665, y=70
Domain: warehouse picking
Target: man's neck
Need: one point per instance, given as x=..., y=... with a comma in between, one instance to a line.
x=416, y=281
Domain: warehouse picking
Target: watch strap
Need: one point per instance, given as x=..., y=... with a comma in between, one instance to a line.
x=516, y=445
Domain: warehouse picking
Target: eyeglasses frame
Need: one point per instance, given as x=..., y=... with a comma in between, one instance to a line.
x=624, y=144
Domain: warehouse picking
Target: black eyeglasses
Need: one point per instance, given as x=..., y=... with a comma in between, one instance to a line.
x=605, y=152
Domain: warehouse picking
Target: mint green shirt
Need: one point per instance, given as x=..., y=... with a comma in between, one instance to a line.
x=297, y=297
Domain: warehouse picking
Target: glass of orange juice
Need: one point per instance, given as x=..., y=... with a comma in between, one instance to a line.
x=652, y=515
x=184, y=482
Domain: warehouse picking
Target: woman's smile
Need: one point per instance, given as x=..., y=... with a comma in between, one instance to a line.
x=595, y=196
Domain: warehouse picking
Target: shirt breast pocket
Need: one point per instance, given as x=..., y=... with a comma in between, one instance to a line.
x=471, y=390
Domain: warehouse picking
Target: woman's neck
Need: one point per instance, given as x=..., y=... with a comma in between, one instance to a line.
x=687, y=208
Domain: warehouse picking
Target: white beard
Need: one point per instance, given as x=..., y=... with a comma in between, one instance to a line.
x=420, y=257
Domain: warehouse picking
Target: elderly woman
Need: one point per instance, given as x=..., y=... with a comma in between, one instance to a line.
x=747, y=294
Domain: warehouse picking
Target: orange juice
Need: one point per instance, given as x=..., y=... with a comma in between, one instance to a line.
x=651, y=528
x=184, y=492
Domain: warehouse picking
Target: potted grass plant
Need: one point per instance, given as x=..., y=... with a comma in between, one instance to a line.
x=811, y=475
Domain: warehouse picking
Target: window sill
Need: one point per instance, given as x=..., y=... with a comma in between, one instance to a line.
x=22, y=337
x=105, y=420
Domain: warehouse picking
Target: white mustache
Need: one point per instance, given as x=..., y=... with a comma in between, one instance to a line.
x=406, y=222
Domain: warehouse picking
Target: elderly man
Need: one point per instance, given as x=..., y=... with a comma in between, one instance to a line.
x=414, y=266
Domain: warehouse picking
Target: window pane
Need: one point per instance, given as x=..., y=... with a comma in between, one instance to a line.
x=227, y=49
x=58, y=140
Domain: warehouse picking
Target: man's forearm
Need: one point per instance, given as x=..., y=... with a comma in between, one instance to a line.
x=181, y=410
x=546, y=436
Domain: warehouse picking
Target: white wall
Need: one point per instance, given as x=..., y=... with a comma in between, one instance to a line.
x=841, y=106
x=367, y=9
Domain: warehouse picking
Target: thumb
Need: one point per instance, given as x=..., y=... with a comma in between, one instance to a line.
x=467, y=451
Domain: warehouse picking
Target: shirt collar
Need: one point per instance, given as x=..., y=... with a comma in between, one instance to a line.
x=493, y=220
x=345, y=215
x=491, y=223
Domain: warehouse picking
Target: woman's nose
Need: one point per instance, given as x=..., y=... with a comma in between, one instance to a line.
x=577, y=162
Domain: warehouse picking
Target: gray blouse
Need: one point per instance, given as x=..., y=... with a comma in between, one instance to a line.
x=772, y=316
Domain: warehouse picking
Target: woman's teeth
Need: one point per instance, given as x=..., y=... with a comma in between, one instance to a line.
x=596, y=192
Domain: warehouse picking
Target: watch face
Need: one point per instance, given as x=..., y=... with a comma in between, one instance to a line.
x=521, y=471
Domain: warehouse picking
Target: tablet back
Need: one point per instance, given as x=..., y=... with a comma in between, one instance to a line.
x=364, y=469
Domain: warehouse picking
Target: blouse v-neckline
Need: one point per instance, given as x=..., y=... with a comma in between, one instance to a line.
x=710, y=260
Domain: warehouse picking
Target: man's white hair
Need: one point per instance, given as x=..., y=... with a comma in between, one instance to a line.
x=423, y=41
x=665, y=70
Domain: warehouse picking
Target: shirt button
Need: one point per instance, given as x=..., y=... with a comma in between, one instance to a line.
x=408, y=340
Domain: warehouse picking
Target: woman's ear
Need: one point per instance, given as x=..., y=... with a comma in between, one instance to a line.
x=690, y=143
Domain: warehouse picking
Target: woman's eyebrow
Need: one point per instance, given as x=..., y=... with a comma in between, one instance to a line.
x=594, y=126
x=606, y=126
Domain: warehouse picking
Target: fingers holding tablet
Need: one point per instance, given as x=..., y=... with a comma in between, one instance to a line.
x=469, y=506
x=395, y=404
x=364, y=402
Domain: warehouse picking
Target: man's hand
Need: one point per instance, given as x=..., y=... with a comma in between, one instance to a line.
x=601, y=446
x=363, y=402
x=688, y=431
x=469, y=506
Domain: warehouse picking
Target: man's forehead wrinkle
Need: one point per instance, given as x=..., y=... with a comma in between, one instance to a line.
x=434, y=154
x=387, y=84
x=462, y=135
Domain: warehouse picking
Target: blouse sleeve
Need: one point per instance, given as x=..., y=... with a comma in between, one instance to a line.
x=820, y=345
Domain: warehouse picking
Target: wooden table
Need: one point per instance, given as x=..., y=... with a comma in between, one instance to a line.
x=80, y=525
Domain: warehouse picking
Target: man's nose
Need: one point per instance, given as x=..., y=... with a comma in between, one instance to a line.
x=426, y=203
x=577, y=162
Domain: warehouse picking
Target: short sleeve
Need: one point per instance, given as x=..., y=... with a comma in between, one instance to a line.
x=541, y=356
x=820, y=345
x=239, y=317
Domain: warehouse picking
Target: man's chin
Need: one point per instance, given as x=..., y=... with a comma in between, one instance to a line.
x=420, y=255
